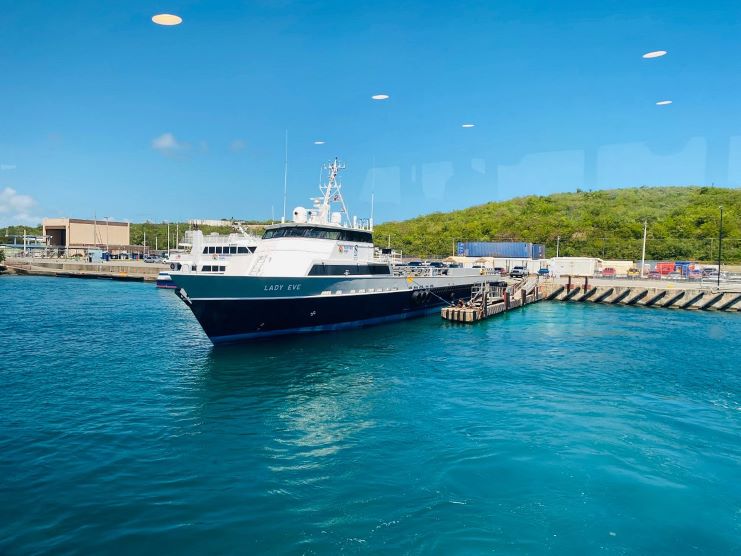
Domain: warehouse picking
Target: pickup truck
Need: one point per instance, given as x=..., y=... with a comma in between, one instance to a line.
x=518, y=272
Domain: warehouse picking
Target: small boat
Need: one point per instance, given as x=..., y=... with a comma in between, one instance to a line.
x=212, y=254
x=164, y=281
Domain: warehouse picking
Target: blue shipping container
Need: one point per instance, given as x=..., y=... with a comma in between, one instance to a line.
x=502, y=249
x=538, y=251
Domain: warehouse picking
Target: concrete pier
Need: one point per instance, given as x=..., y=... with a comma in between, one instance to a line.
x=643, y=293
x=136, y=271
x=638, y=293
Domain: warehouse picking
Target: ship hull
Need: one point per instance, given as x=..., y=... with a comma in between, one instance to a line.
x=235, y=318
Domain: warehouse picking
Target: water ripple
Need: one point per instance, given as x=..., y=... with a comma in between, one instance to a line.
x=558, y=428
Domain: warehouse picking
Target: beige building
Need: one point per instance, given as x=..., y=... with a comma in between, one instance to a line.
x=73, y=233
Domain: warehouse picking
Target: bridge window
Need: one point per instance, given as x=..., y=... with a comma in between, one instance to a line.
x=348, y=270
x=355, y=236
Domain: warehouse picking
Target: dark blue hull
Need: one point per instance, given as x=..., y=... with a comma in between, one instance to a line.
x=237, y=320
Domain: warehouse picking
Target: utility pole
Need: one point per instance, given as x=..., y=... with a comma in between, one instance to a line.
x=558, y=243
x=107, y=247
x=643, y=253
x=168, y=239
x=177, y=234
x=145, y=243
x=720, y=242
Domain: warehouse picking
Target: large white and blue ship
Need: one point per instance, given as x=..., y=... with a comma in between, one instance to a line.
x=318, y=273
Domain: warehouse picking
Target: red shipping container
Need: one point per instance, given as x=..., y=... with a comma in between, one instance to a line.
x=664, y=268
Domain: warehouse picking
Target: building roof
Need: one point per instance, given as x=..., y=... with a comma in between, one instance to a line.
x=65, y=221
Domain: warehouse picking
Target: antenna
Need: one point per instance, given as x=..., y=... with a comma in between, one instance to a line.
x=285, y=182
x=373, y=191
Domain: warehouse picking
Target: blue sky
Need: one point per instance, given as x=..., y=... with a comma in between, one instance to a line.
x=104, y=112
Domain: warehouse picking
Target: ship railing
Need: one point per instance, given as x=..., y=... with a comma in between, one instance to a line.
x=419, y=271
x=393, y=257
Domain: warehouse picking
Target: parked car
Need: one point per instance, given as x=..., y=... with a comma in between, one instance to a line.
x=518, y=272
x=694, y=275
x=633, y=273
x=608, y=272
x=543, y=272
x=152, y=259
x=675, y=276
x=654, y=275
x=711, y=274
x=500, y=270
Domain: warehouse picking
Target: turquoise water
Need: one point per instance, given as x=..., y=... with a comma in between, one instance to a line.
x=559, y=428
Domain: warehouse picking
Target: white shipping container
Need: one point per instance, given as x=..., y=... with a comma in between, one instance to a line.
x=574, y=266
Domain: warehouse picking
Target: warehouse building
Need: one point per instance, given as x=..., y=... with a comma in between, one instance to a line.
x=76, y=236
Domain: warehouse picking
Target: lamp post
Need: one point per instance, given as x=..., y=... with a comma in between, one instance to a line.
x=720, y=242
x=558, y=242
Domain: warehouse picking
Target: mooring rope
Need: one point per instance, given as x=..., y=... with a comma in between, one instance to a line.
x=429, y=289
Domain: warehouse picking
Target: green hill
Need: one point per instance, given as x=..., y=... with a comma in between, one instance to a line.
x=682, y=224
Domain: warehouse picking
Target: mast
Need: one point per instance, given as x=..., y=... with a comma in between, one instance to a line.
x=332, y=193
x=285, y=181
x=373, y=190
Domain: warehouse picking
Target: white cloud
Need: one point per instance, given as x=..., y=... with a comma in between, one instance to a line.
x=167, y=144
x=15, y=208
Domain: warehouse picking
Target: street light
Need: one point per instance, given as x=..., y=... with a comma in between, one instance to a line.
x=720, y=242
